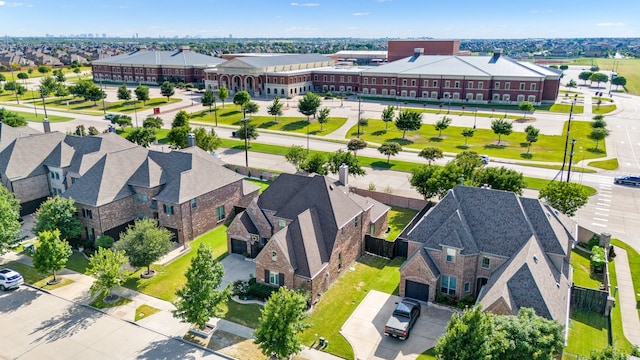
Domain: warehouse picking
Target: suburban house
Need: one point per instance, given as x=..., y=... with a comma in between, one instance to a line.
x=304, y=230
x=505, y=250
x=114, y=182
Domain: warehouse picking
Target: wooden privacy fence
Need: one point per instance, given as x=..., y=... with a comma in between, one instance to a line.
x=589, y=299
x=383, y=248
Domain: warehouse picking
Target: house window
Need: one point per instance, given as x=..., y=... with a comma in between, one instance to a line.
x=220, y=212
x=435, y=83
x=384, y=81
x=507, y=86
x=456, y=84
x=90, y=233
x=168, y=209
x=341, y=78
x=413, y=83
x=348, y=78
x=480, y=85
x=194, y=204
x=141, y=198
x=339, y=261
x=366, y=81
x=521, y=86
x=315, y=77
x=355, y=222
x=470, y=85
x=467, y=287
x=497, y=85
x=532, y=87
x=451, y=255
x=281, y=224
x=531, y=98
x=73, y=180
x=485, y=262
x=393, y=81
x=520, y=98
x=333, y=78
x=373, y=81
x=274, y=278
x=505, y=97
x=404, y=82
x=324, y=78
x=448, y=285
x=274, y=256
x=447, y=84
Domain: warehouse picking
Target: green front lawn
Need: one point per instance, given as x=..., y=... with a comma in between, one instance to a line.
x=399, y=218
x=77, y=262
x=262, y=184
x=144, y=311
x=603, y=109
x=587, y=331
x=582, y=275
x=243, y=314
x=232, y=115
x=29, y=274
x=32, y=117
x=610, y=164
x=514, y=146
x=339, y=302
x=634, y=264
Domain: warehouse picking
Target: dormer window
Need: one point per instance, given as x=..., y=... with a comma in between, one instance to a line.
x=451, y=255
x=281, y=224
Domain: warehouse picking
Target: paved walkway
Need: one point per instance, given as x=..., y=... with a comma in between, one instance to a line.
x=628, y=298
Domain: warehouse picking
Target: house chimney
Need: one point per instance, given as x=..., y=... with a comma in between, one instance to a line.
x=46, y=125
x=184, y=48
x=418, y=51
x=343, y=172
x=497, y=52
x=191, y=140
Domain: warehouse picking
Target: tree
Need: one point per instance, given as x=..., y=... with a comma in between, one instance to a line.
x=431, y=154
x=107, y=266
x=207, y=141
x=442, y=124
x=598, y=134
x=248, y=131
x=281, y=321
x=296, y=155
x=309, y=104
x=52, y=254
x=208, y=99
x=80, y=131
x=499, y=178
x=585, y=75
x=145, y=242
x=608, y=353
x=223, y=94
x=617, y=81
x=594, y=68
x=251, y=108
x=167, y=89
x=122, y=120
x=58, y=213
x=142, y=93
x=11, y=118
x=275, y=109
x=572, y=83
x=355, y=145
x=528, y=336
x=344, y=157
x=599, y=122
x=177, y=137
x=323, y=116
x=566, y=197
x=469, y=336
x=433, y=181
x=315, y=163
x=241, y=98
x=181, y=119
x=43, y=69
x=389, y=148
x=467, y=133
x=48, y=86
x=564, y=67
x=61, y=90
x=80, y=88
x=468, y=161
x=124, y=93
x=501, y=127
x=59, y=76
x=142, y=136
x=387, y=116
x=200, y=298
x=154, y=123
x=598, y=78
x=94, y=93
x=9, y=224
x=408, y=120
x=532, y=135
x=93, y=131
x=525, y=107
x=23, y=76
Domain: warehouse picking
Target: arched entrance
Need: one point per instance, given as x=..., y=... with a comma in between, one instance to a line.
x=249, y=85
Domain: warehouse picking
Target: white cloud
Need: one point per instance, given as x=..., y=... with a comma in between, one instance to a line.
x=13, y=4
x=305, y=4
x=361, y=14
x=610, y=24
x=2, y=3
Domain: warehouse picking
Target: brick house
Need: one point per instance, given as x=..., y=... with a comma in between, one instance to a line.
x=504, y=250
x=304, y=230
x=114, y=182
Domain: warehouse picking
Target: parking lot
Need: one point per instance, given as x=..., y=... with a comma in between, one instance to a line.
x=38, y=325
x=365, y=329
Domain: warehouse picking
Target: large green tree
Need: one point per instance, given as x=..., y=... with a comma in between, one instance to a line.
x=389, y=148
x=619, y=81
x=145, y=242
x=58, y=213
x=9, y=224
x=566, y=197
x=94, y=93
x=408, y=120
x=52, y=254
x=207, y=141
x=296, y=156
x=388, y=115
x=181, y=119
x=142, y=136
x=585, y=75
x=107, y=266
x=11, y=118
x=309, y=104
x=316, y=163
x=177, y=137
x=201, y=298
x=470, y=336
x=282, y=319
x=344, y=157
x=124, y=93
x=435, y=180
x=142, y=93
x=153, y=123
x=598, y=78
x=468, y=161
x=48, y=86
x=501, y=127
x=223, y=94
x=500, y=178
x=167, y=89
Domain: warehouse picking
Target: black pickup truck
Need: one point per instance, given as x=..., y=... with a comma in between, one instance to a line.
x=401, y=321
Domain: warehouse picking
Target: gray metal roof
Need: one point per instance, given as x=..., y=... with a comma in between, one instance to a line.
x=161, y=58
x=260, y=62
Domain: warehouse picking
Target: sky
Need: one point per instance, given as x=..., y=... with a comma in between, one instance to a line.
x=444, y=19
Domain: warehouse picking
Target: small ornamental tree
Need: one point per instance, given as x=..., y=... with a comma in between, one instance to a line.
x=282, y=319
x=501, y=127
x=207, y=141
x=107, y=266
x=598, y=78
x=52, y=253
x=223, y=94
x=389, y=148
x=467, y=133
x=142, y=93
x=355, y=145
x=145, y=242
x=241, y=98
x=585, y=75
x=323, y=117
x=201, y=298
x=442, y=124
x=431, y=154
x=181, y=119
x=619, y=81
x=167, y=89
x=61, y=214
x=525, y=107
x=208, y=98
x=388, y=115
x=124, y=93
x=408, y=120
x=344, y=157
x=296, y=156
x=532, y=136
x=597, y=258
x=315, y=163
x=598, y=134
x=309, y=104
x=275, y=109
x=153, y=123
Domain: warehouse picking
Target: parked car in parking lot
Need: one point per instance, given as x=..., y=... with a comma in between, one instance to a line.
x=401, y=321
x=628, y=180
x=10, y=279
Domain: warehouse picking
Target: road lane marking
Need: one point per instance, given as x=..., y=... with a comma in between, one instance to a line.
x=600, y=225
x=602, y=209
x=600, y=219
x=600, y=214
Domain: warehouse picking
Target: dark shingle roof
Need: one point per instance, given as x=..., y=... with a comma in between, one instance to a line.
x=161, y=58
x=26, y=156
x=8, y=133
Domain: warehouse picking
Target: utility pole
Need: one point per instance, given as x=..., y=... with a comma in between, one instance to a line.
x=359, y=112
x=573, y=144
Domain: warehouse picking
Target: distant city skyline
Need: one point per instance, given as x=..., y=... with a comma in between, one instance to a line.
x=462, y=19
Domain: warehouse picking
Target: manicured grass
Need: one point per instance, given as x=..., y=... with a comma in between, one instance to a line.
x=629, y=68
x=90, y=107
x=610, y=164
x=29, y=274
x=587, y=331
x=634, y=264
x=243, y=314
x=262, y=184
x=171, y=277
x=43, y=283
x=100, y=304
x=602, y=109
x=558, y=167
x=469, y=111
x=232, y=115
x=582, y=274
x=428, y=355
x=161, y=134
x=10, y=97
x=337, y=304
x=32, y=117
x=77, y=263
x=514, y=146
x=566, y=108
x=144, y=311
x=398, y=219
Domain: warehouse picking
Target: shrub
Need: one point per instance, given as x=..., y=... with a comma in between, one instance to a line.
x=104, y=241
x=240, y=288
x=260, y=291
x=597, y=257
x=594, y=241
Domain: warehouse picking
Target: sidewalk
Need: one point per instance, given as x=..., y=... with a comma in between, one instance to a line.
x=628, y=297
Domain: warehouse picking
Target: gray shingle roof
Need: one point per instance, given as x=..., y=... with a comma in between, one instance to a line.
x=260, y=62
x=26, y=156
x=8, y=133
x=160, y=58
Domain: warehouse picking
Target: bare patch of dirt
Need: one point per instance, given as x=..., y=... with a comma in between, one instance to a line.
x=235, y=346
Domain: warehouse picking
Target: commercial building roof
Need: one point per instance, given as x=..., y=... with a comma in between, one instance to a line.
x=161, y=58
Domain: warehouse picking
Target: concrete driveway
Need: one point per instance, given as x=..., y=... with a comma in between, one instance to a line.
x=364, y=329
x=236, y=268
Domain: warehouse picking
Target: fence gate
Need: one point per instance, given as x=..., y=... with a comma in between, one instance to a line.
x=380, y=247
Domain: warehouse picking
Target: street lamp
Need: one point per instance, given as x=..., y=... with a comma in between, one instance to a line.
x=44, y=105
x=246, y=142
x=566, y=143
x=475, y=112
x=359, y=112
